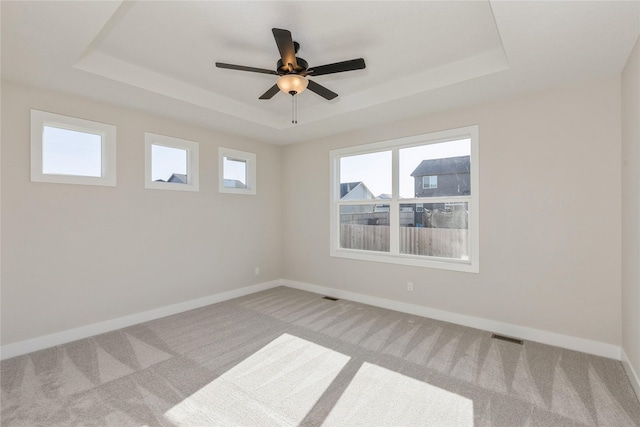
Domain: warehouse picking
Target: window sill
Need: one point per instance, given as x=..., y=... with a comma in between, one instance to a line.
x=415, y=261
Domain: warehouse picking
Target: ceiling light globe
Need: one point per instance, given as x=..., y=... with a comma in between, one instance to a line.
x=292, y=83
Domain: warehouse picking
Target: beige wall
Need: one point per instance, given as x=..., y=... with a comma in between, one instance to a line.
x=550, y=215
x=550, y=199
x=631, y=208
x=74, y=255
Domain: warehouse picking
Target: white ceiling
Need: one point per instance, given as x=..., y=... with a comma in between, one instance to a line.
x=421, y=56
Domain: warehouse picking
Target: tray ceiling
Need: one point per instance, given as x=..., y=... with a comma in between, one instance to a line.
x=421, y=56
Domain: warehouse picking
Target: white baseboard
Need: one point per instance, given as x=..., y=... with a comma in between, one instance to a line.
x=551, y=338
x=58, y=338
x=525, y=333
x=631, y=373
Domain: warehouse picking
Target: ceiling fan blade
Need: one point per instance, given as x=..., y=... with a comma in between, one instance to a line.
x=321, y=90
x=285, y=46
x=272, y=91
x=338, y=67
x=243, y=68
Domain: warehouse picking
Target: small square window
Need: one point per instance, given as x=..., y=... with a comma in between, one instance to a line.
x=68, y=150
x=171, y=163
x=237, y=171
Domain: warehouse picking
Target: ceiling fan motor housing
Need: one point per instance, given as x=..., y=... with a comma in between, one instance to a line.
x=283, y=69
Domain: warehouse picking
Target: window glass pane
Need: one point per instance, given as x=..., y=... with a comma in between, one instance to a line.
x=429, y=182
x=168, y=164
x=366, y=176
x=69, y=152
x=435, y=229
x=364, y=227
x=235, y=173
x=448, y=163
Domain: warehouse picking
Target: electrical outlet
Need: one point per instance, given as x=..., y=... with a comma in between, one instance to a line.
x=410, y=286
x=257, y=271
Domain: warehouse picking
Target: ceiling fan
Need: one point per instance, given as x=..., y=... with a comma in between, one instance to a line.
x=293, y=71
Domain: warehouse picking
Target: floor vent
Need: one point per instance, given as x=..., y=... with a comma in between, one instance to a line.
x=330, y=298
x=508, y=339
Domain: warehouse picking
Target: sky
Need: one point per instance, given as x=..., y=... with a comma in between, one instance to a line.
x=374, y=169
x=169, y=160
x=235, y=169
x=68, y=152
x=166, y=161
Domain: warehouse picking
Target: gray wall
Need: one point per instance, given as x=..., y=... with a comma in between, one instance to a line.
x=631, y=209
x=449, y=184
x=548, y=259
x=74, y=255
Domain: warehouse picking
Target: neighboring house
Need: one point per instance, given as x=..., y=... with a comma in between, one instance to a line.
x=443, y=177
x=233, y=183
x=382, y=207
x=406, y=211
x=435, y=178
x=178, y=178
x=355, y=191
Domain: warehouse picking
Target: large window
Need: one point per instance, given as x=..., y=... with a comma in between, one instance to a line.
x=408, y=201
x=69, y=150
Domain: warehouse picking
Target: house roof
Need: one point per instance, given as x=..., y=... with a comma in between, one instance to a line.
x=459, y=164
x=234, y=183
x=347, y=187
x=178, y=177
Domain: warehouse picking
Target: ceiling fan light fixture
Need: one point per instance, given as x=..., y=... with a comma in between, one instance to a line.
x=292, y=83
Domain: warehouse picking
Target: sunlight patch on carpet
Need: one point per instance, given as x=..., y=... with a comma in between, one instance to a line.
x=379, y=397
x=277, y=385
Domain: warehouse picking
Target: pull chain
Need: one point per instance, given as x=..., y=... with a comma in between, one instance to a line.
x=294, y=108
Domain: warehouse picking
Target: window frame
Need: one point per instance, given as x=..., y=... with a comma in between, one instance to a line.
x=249, y=159
x=394, y=256
x=40, y=119
x=193, y=170
x=430, y=187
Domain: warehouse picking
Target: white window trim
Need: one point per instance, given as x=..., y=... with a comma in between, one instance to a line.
x=193, y=171
x=249, y=158
x=40, y=119
x=471, y=265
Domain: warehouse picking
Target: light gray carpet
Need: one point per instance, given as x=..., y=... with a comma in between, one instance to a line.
x=288, y=357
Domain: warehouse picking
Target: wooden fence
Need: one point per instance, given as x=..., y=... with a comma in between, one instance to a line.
x=366, y=237
x=438, y=242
